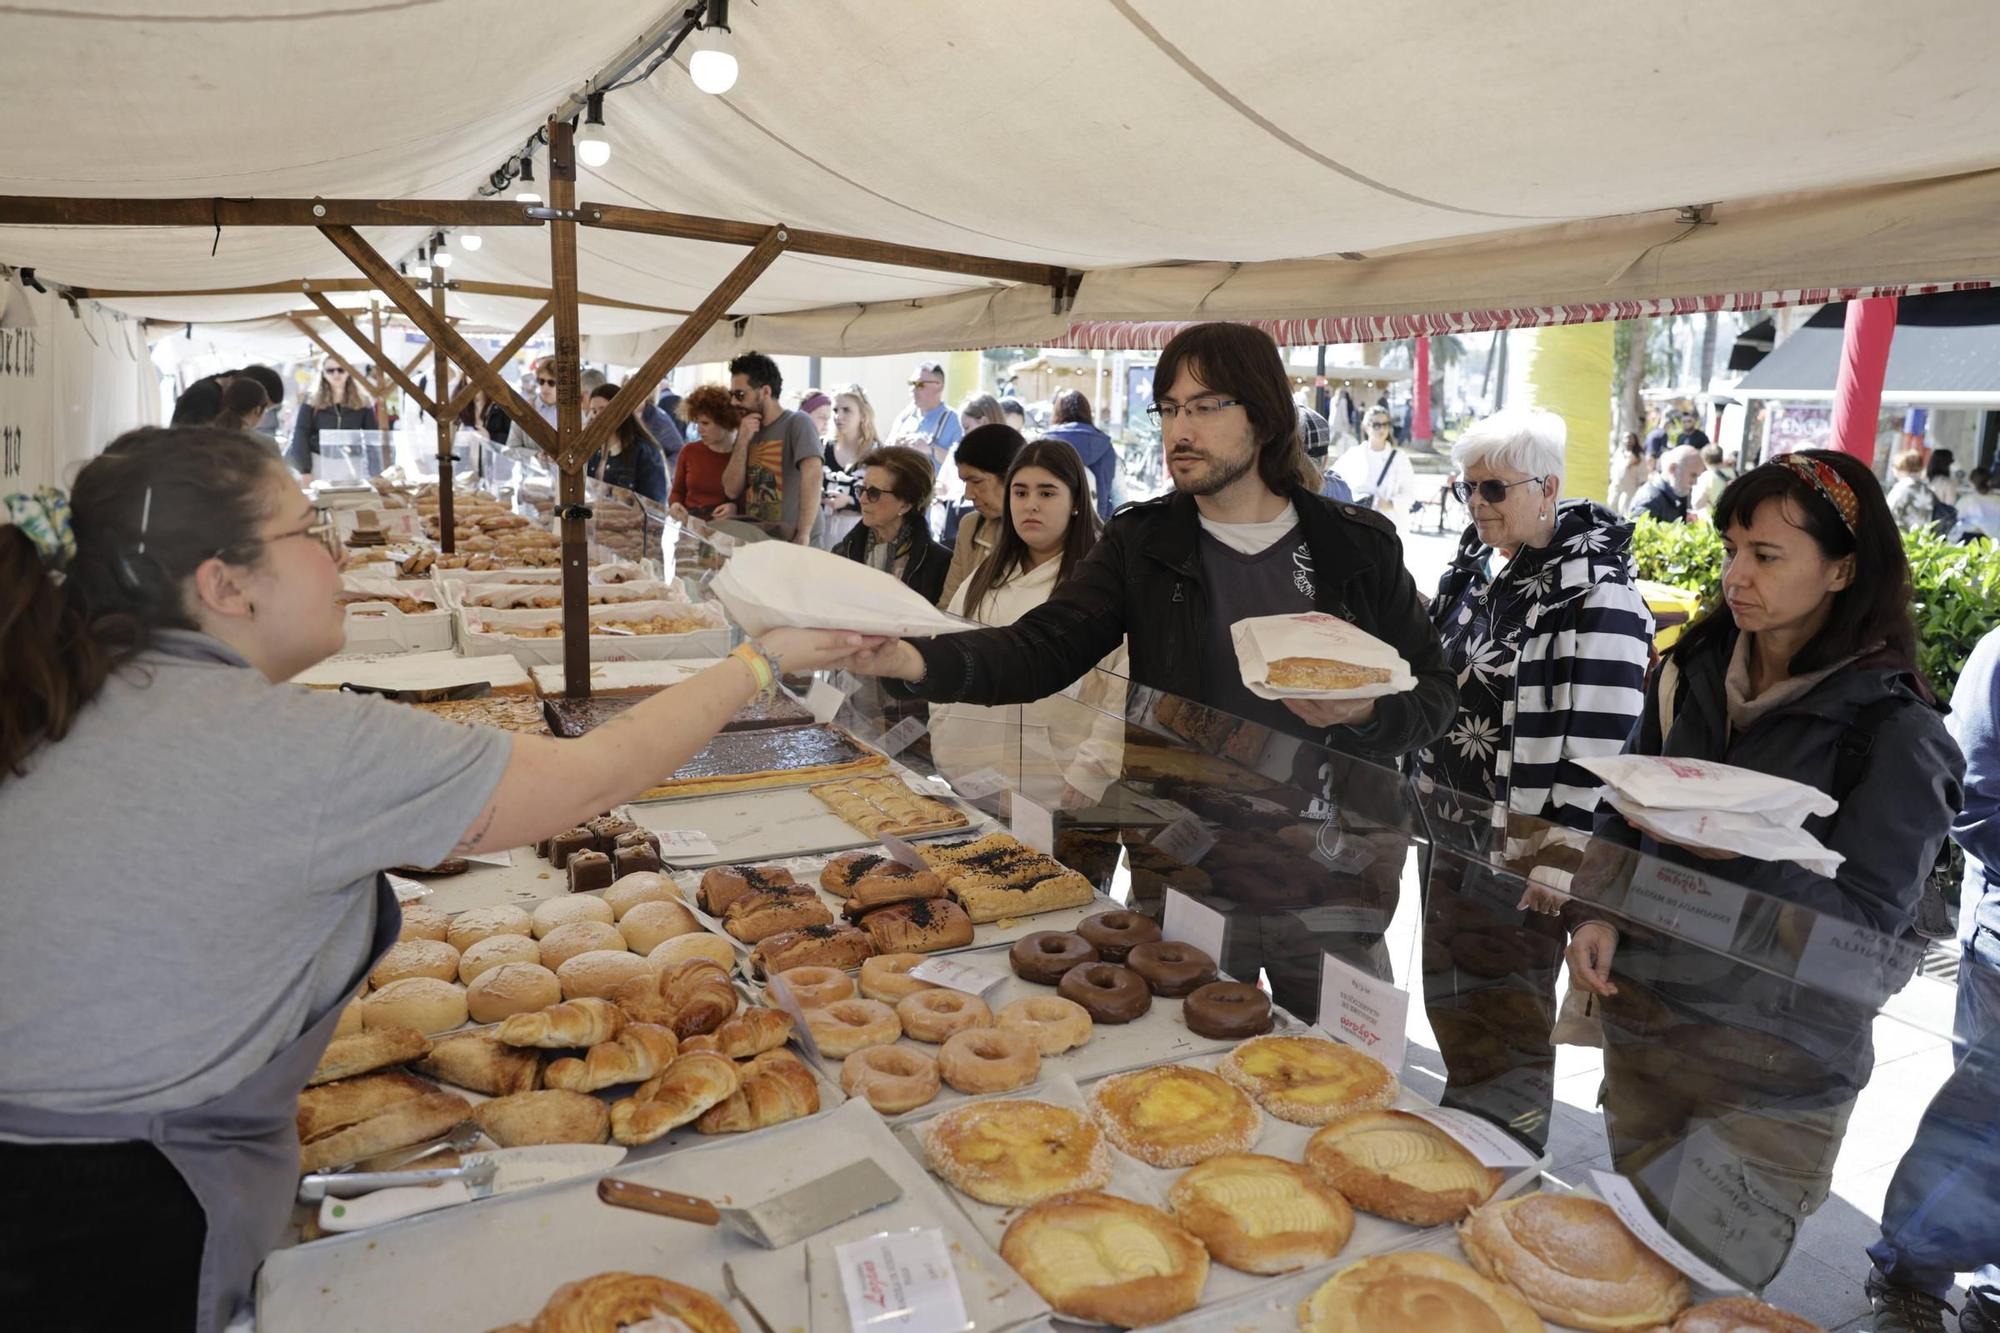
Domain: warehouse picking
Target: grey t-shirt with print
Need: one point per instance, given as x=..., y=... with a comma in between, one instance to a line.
x=771, y=475
x=188, y=876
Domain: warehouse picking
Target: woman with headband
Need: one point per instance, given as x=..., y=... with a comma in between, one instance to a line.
x=1727, y=1086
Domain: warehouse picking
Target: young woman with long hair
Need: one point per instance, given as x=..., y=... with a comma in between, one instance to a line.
x=854, y=435
x=337, y=403
x=633, y=458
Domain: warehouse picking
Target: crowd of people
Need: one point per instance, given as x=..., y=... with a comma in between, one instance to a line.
x=190, y=551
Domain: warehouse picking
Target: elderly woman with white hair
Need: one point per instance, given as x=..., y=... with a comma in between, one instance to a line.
x=1541, y=618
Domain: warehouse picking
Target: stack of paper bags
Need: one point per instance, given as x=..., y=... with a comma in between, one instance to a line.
x=772, y=583
x=1718, y=807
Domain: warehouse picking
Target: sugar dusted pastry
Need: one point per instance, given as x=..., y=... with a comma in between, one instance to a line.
x=1015, y=1152
x=1309, y=1080
x=1414, y=1290
x=1172, y=1115
x=1572, y=1260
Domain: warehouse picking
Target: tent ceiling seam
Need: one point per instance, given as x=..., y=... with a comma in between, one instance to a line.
x=1291, y=141
x=232, y=19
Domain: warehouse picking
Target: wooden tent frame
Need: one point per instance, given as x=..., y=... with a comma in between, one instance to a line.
x=569, y=443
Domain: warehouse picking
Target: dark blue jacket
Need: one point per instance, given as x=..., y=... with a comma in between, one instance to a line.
x=639, y=469
x=1975, y=722
x=1094, y=447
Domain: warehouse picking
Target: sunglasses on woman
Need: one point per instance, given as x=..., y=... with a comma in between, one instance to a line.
x=1492, y=491
x=875, y=494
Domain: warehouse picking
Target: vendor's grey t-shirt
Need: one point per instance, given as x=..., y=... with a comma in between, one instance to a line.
x=188, y=876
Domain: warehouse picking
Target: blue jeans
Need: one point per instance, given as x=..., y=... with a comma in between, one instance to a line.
x=1942, y=1214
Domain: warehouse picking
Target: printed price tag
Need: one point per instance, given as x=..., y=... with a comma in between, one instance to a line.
x=407, y=890
x=980, y=782
x=824, y=700
x=1492, y=1145
x=1685, y=902
x=1851, y=959
x=901, y=737
x=1189, y=922
x=781, y=994
x=503, y=857
x=904, y=854
x=1186, y=840
x=959, y=976
x=1356, y=1008
x=1639, y=1220
x=1165, y=809
x=901, y=1280
x=685, y=844
x=1034, y=825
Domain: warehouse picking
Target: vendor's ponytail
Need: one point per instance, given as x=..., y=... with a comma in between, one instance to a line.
x=145, y=514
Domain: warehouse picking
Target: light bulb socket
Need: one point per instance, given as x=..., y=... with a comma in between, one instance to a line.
x=527, y=169
x=594, y=109
x=716, y=15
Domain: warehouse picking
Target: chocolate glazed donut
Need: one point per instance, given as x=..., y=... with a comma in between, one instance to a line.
x=1171, y=968
x=1046, y=955
x=1116, y=933
x=1108, y=992
x=1231, y=1009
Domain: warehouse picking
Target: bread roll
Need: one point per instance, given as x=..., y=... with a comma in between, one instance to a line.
x=423, y=923
x=549, y=1116
x=686, y=948
x=599, y=972
x=415, y=958
x=349, y=1021
x=561, y=911
x=424, y=1003
x=649, y=925
x=512, y=988
x=468, y=928
x=572, y=938
x=641, y=886
x=494, y=950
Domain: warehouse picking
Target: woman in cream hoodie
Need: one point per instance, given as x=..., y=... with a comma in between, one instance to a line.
x=1061, y=750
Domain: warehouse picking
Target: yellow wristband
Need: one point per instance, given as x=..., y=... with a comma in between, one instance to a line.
x=760, y=665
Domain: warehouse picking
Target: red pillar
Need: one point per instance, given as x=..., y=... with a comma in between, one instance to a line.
x=1420, y=406
x=1864, y=359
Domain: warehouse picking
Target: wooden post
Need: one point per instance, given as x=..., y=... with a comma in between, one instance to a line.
x=569, y=413
x=501, y=358
x=381, y=371
x=445, y=427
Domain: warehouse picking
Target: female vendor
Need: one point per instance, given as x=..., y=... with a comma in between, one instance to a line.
x=193, y=857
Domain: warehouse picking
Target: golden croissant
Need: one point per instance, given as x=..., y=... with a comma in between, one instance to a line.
x=752, y=1032
x=776, y=1087
x=665, y=1102
x=633, y=1056
x=691, y=998
x=583, y=1022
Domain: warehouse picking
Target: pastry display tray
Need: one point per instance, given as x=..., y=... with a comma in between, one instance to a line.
x=521, y=1247
x=770, y=823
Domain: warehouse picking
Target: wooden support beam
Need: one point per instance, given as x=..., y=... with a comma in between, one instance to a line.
x=636, y=389
x=501, y=358
x=446, y=423
x=616, y=217
x=50, y=211
x=569, y=414
x=519, y=290
x=327, y=347
x=410, y=366
x=397, y=288
x=373, y=347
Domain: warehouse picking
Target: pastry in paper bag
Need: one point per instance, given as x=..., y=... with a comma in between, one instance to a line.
x=1316, y=656
x=1750, y=835
x=772, y=583
x=1668, y=782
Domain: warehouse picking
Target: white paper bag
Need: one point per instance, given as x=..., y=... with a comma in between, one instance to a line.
x=1661, y=782
x=772, y=583
x=1749, y=835
x=1262, y=640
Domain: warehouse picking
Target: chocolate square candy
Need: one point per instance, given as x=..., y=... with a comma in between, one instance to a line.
x=590, y=870
x=565, y=845
x=608, y=829
x=640, y=857
x=639, y=838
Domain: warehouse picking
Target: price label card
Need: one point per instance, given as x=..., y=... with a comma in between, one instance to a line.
x=1624, y=1199
x=824, y=699
x=685, y=844
x=1363, y=1011
x=407, y=890
x=504, y=857
x=781, y=993
x=901, y=736
x=903, y=854
x=1186, y=840
x=1034, y=825
x=957, y=975
x=901, y=1280
x=1492, y=1145
x=981, y=782
x=1165, y=809
x=1189, y=922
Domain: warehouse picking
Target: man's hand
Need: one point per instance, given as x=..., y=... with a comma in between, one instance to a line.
x=1334, y=712
x=1590, y=952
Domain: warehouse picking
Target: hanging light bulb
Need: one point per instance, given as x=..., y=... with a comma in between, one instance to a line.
x=592, y=148
x=469, y=241
x=526, y=194
x=713, y=64
x=440, y=257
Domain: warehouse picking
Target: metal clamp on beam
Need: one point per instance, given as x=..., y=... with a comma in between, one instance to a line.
x=553, y=214
x=448, y=458
x=568, y=512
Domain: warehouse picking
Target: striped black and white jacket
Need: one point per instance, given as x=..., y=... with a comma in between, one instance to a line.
x=1560, y=639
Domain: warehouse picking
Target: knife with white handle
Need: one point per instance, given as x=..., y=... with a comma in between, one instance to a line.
x=351, y=1201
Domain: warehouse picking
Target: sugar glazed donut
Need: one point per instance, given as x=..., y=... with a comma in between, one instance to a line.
x=893, y=1079
x=1054, y=1024
x=1109, y=993
x=934, y=1015
x=815, y=987
x=886, y=977
x=1171, y=968
x=846, y=1026
x=988, y=1060
x=1044, y=956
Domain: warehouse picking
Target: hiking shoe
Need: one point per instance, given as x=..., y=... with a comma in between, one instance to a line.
x=1900, y=1309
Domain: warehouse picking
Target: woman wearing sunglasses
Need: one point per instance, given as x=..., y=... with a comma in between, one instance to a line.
x=893, y=534
x=194, y=853
x=337, y=403
x=1542, y=621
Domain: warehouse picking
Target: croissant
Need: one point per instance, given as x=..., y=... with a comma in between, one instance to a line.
x=689, y=1086
x=690, y=998
x=751, y=1032
x=580, y=1022
x=776, y=1088
x=634, y=1055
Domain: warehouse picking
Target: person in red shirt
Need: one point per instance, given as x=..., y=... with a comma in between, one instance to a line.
x=697, y=489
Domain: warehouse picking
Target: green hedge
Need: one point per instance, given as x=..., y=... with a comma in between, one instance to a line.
x=1957, y=587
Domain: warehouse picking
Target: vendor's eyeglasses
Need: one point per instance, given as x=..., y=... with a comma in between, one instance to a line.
x=1201, y=409
x=1492, y=491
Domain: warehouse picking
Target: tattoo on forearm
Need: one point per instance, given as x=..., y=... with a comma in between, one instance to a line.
x=477, y=833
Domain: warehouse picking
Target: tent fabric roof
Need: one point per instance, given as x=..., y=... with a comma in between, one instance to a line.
x=1946, y=350
x=1185, y=162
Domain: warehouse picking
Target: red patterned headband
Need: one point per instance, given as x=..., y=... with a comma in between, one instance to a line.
x=1827, y=482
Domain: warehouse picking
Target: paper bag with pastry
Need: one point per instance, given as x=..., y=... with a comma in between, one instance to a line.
x=1316, y=656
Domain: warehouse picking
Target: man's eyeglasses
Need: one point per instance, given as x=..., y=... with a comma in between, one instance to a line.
x=1492, y=491
x=1201, y=409
x=738, y=395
